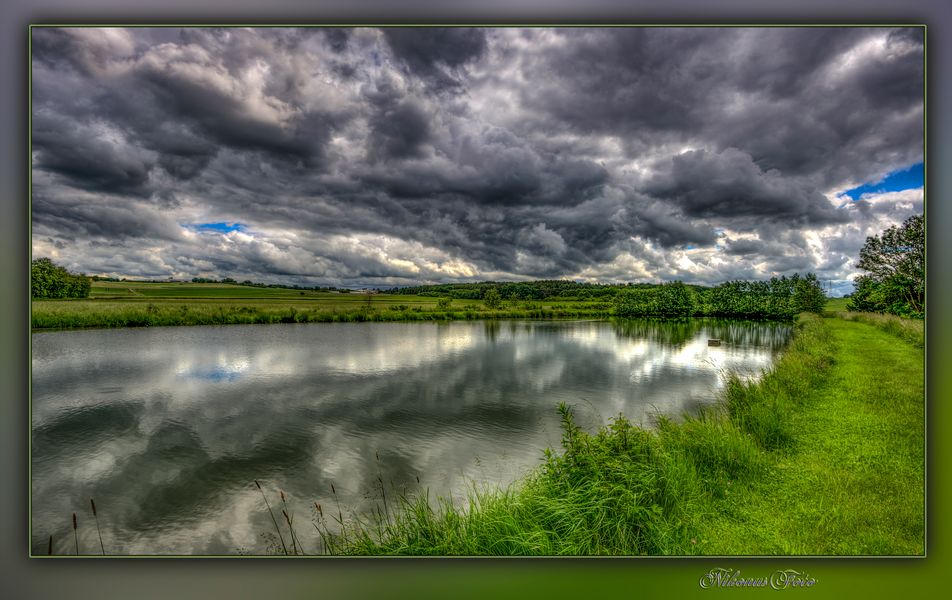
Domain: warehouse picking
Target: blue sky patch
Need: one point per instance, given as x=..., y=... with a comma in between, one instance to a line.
x=221, y=227
x=905, y=179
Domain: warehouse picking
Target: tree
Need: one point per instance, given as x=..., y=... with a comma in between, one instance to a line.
x=49, y=280
x=895, y=266
x=808, y=294
x=492, y=299
x=675, y=300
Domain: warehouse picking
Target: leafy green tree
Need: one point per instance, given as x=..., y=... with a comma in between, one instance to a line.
x=675, y=300
x=808, y=295
x=492, y=299
x=635, y=302
x=895, y=271
x=49, y=280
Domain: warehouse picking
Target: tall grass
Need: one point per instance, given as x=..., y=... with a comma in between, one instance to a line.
x=910, y=330
x=763, y=408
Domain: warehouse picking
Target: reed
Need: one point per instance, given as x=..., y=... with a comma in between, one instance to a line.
x=96, y=517
x=288, y=518
x=273, y=520
x=340, y=514
x=383, y=491
x=75, y=535
x=320, y=535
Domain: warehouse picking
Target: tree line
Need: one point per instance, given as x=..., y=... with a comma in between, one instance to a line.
x=513, y=290
x=779, y=298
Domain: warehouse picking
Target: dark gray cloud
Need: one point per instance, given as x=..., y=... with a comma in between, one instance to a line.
x=729, y=184
x=436, y=54
x=404, y=155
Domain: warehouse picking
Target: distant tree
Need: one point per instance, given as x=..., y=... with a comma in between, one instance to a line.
x=808, y=295
x=635, y=302
x=492, y=299
x=895, y=271
x=49, y=280
x=676, y=300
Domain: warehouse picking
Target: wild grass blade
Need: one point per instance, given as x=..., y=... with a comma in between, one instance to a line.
x=273, y=520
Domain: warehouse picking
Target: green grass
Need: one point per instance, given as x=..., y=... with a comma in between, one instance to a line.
x=851, y=481
x=824, y=456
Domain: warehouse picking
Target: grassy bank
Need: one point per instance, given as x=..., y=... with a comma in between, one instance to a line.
x=825, y=455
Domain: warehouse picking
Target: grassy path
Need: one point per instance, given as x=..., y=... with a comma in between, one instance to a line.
x=852, y=481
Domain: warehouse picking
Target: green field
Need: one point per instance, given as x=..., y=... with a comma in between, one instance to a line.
x=138, y=304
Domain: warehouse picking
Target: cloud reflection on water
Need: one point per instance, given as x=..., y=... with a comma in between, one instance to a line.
x=201, y=412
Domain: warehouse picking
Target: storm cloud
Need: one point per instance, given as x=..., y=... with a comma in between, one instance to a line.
x=395, y=156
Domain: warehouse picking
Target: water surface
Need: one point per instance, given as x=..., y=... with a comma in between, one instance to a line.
x=167, y=428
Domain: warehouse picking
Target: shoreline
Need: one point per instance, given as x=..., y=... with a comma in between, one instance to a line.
x=791, y=446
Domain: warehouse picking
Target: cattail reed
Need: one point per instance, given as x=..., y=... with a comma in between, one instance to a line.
x=291, y=527
x=288, y=519
x=320, y=514
x=96, y=517
x=340, y=515
x=273, y=520
x=75, y=535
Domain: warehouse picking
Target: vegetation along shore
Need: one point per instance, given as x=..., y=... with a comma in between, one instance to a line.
x=143, y=304
x=823, y=456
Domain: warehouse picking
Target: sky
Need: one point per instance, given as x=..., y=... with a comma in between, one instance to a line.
x=402, y=156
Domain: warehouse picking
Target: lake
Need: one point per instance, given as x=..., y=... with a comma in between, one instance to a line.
x=167, y=428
